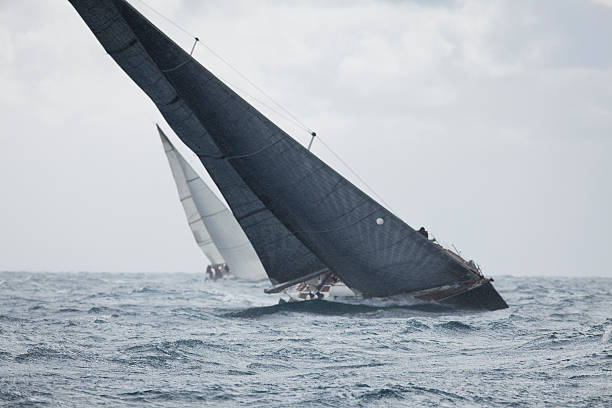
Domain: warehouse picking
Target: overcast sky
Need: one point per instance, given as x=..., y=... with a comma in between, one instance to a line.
x=488, y=122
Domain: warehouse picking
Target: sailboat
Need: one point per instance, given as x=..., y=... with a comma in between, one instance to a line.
x=214, y=228
x=304, y=220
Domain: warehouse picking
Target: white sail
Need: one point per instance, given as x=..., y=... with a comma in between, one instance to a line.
x=213, y=225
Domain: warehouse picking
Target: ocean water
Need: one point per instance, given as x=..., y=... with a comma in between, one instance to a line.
x=81, y=339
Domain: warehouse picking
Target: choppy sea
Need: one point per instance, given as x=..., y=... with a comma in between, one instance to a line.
x=85, y=339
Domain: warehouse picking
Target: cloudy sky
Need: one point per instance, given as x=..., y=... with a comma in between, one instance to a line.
x=489, y=122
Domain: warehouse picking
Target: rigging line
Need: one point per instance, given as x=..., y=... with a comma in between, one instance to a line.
x=287, y=112
x=289, y=115
x=355, y=174
x=246, y=95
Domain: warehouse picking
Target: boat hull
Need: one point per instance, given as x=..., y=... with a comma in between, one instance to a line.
x=481, y=297
x=474, y=295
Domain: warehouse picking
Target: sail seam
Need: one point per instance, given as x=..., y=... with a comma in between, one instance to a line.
x=243, y=156
x=231, y=248
x=125, y=47
x=215, y=213
x=175, y=68
x=196, y=220
x=242, y=217
x=109, y=23
x=172, y=101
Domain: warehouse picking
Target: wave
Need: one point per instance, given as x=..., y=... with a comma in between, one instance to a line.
x=414, y=325
x=455, y=325
x=108, y=311
x=399, y=392
x=42, y=353
x=68, y=310
x=156, y=395
x=197, y=343
x=145, y=289
x=161, y=354
x=382, y=393
x=331, y=308
x=5, y=318
x=606, y=338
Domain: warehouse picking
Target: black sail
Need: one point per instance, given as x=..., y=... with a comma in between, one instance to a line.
x=299, y=213
x=283, y=256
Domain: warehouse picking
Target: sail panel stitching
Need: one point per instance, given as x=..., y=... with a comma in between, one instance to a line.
x=242, y=217
x=129, y=45
x=213, y=214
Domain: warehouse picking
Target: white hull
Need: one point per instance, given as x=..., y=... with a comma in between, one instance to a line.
x=316, y=288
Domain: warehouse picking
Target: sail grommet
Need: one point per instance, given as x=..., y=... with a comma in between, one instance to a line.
x=380, y=221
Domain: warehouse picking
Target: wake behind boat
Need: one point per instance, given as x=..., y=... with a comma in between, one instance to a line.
x=303, y=219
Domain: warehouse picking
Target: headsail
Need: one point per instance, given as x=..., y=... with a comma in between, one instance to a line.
x=192, y=212
x=214, y=227
x=286, y=199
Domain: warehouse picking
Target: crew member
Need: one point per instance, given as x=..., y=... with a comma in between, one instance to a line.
x=209, y=273
x=424, y=232
x=218, y=271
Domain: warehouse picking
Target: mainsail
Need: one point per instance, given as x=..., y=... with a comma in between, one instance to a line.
x=299, y=213
x=214, y=227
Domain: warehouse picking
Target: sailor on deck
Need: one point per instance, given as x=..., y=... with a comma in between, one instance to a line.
x=424, y=232
x=209, y=273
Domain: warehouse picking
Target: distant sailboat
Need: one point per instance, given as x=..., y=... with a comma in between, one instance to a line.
x=304, y=220
x=214, y=228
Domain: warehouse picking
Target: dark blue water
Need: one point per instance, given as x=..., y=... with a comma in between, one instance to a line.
x=174, y=340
